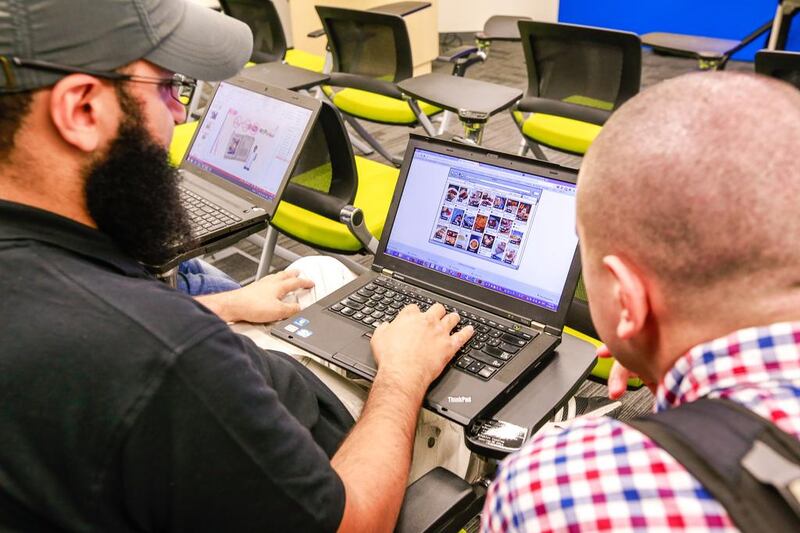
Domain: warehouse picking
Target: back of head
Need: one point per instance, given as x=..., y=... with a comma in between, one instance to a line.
x=697, y=181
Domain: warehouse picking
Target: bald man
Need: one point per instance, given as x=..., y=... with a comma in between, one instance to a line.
x=687, y=215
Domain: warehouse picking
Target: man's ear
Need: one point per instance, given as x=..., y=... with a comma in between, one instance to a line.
x=84, y=111
x=630, y=295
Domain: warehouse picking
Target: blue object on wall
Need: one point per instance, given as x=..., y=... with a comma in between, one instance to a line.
x=731, y=19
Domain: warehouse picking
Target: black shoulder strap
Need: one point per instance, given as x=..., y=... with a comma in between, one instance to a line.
x=747, y=463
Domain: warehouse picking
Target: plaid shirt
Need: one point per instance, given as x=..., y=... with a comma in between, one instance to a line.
x=600, y=474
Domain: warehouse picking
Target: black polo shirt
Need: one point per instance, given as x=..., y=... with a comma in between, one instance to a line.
x=127, y=406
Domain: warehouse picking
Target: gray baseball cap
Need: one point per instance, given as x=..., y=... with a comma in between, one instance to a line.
x=106, y=34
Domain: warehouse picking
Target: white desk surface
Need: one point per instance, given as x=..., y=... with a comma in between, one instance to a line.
x=213, y=4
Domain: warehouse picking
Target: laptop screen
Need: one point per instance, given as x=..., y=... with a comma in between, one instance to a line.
x=501, y=229
x=248, y=138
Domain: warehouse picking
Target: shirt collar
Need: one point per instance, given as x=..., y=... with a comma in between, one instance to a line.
x=748, y=356
x=22, y=222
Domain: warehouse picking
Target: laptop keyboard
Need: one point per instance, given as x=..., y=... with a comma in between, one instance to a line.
x=205, y=216
x=489, y=349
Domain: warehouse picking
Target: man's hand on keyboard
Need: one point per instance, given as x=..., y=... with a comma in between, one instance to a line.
x=260, y=301
x=415, y=346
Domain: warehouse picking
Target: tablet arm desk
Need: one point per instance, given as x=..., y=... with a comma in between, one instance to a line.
x=442, y=502
x=474, y=101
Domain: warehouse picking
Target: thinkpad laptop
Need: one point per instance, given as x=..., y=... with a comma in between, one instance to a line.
x=489, y=235
x=241, y=157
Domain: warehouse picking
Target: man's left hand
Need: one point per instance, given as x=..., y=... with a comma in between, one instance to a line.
x=259, y=302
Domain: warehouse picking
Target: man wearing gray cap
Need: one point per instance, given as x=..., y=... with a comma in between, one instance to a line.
x=127, y=406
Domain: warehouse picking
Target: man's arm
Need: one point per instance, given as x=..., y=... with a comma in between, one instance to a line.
x=259, y=302
x=375, y=459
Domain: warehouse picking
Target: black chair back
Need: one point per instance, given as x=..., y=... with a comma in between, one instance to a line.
x=582, y=65
x=325, y=178
x=779, y=64
x=367, y=43
x=501, y=28
x=269, y=41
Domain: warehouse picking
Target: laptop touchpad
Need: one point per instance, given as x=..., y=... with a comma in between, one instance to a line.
x=359, y=352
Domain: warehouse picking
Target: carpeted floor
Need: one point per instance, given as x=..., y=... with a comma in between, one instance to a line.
x=506, y=66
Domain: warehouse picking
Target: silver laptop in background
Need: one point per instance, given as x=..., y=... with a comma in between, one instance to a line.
x=240, y=159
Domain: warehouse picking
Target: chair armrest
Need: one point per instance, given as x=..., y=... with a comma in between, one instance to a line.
x=316, y=33
x=434, y=500
x=458, y=53
x=534, y=104
x=353, y=217
x=318, y=202
x=365, y=83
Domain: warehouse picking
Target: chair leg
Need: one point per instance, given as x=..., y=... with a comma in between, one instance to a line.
x=372, y=141
x=267, y=251
x=538, y=153
x=170, y=277
x=422, y=118
x=445, y=120
x=776, y=28
x=526, y=142
x=360, y=145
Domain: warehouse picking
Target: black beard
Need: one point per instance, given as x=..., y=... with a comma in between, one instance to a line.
x=132, y=193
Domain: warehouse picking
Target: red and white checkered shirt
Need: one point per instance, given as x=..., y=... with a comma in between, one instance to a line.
x=601, y=474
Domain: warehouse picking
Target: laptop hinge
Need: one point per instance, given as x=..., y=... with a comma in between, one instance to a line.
x=387, y=272
x=550, y=329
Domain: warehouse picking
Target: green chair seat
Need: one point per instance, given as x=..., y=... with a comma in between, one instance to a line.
x=181, y=137
x=563, y=133
x=376, y=107
x=376, y=183
x=306, y=60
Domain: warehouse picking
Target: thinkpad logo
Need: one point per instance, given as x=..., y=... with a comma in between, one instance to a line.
x=459, y=399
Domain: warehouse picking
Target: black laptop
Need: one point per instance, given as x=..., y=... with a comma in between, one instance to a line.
x=240, y=159
x=489, y=235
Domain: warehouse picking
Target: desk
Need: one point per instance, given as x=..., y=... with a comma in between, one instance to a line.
x=211, y=4
x=530, y=408
x=224, y=241
x=474, y=101
x=284, y=76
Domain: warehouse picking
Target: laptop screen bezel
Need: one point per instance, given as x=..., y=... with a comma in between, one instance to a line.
x=307, y=102
x=490, y=300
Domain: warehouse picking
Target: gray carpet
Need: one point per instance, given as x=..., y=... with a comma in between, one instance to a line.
x=506, y=66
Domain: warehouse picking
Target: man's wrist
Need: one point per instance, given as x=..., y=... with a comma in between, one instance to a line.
x=408, y=384
x=220, y=304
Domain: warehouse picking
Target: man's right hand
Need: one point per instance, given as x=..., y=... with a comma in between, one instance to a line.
x=415, y=346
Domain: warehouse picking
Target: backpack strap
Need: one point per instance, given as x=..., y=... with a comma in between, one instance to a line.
x=749, y=465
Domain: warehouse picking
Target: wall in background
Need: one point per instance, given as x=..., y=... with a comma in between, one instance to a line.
x=469, y=15
x=728, y=19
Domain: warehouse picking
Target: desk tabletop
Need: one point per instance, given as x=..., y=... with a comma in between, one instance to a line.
x=401, y=9
x=284, y=76
x=212, y=4
x=459, y=94
x=531, y=407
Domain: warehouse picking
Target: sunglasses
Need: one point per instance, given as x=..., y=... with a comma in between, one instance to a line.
x=180, y=87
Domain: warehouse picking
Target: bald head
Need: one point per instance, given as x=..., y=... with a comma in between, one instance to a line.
x=697, y=182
